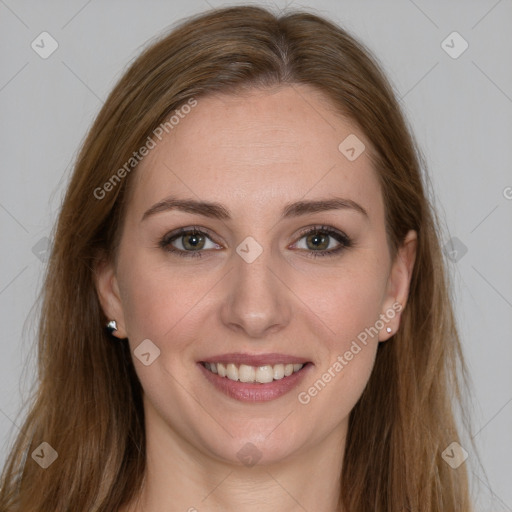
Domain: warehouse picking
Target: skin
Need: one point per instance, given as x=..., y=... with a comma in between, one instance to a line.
x=254, y=152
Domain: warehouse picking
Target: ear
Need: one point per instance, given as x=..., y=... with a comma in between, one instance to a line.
x=108, y=293
x=398, y=283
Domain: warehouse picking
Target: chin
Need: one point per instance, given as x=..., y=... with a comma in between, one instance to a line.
x=261, y=446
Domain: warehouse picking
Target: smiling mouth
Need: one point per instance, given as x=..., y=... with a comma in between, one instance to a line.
x=253, y=374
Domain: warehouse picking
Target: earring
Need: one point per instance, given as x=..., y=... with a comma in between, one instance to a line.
x=388, y=329
x=111, y=326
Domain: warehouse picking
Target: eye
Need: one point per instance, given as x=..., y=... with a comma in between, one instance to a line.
x=187, y=242
x=324, y=241
x=190, y=242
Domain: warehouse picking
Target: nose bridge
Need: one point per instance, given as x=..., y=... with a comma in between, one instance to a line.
x=257, y=300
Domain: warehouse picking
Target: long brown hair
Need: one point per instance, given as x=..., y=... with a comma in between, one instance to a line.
x=87, y=404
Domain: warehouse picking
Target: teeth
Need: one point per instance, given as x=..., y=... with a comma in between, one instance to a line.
x=278, y=371
x=245, y=373
x=264, y=374
x=221, y=369
x=232, y=371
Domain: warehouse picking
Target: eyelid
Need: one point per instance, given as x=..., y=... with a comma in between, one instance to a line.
x=177, y=233
x=324, y=228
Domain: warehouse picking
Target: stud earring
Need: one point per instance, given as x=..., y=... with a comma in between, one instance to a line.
x=388, y=329
x=111, y=326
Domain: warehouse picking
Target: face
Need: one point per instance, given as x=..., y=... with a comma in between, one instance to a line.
x=276, y=262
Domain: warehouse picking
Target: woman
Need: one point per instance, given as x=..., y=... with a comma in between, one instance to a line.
x=247, y=218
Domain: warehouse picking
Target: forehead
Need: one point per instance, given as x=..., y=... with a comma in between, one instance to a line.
x=261, y=148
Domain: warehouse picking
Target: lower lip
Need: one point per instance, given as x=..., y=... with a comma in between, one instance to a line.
x=254, y=391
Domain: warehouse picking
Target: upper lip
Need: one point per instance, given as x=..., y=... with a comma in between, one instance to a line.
x=256, y=359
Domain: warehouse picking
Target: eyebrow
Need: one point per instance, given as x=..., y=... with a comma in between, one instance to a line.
x=218, y=211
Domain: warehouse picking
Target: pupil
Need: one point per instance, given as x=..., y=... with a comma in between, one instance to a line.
x=318, y=240
x=194, y=240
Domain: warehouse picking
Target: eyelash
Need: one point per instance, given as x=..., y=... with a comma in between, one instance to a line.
x=342, y=238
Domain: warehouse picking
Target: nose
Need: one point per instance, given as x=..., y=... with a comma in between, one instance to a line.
x=257, y=302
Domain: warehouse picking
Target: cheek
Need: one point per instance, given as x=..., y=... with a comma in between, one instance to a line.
x=347, y=300
x=157, y=300
x=349, y=304
x=349, y=351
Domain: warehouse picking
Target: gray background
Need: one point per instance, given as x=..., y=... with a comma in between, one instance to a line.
x=460, y=110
